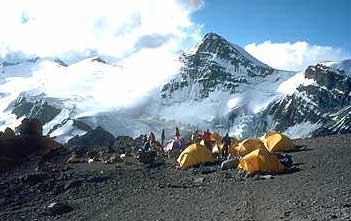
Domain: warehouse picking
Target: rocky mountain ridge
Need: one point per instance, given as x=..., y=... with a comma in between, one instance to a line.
x=219, y=86
x=213, y=64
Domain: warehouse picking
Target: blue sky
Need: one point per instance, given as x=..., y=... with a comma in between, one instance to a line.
x=318, y=22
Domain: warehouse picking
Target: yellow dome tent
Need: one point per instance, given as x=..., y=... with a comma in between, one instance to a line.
x=194, y=155
x=246, y=147
x=275, y=141
x=261, y=160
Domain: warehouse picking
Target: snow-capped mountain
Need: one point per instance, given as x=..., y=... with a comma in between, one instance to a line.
x=223, y=85
x=219, y=86
x=71, y=99
x=214, y=64
x=217, y=74
x=319, y=106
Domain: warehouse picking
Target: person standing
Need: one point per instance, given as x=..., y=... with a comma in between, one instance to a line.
x=177, y=133
x=163, y=137
x=193, y=136
x=152, y=137
x=207, y=139
x=226, y=144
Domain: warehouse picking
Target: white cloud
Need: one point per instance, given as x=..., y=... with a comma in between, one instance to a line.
x=293, y=56
x=143, y=37
x=109, y=27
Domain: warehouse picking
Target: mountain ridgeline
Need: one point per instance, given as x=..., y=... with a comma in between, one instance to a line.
x=214, y=64
x=219, y=86
x=326, y=103
x=314, y=109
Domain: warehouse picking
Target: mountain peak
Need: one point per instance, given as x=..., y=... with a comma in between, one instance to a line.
x=98, y=59
x=220, y=47
x=212, y=35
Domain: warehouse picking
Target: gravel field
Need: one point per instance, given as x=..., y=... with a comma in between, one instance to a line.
x=319, y=190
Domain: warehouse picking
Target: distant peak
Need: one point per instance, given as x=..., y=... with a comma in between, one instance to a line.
x=98, y=59
x=60, y=62
x=212, y=35
x=218, y=46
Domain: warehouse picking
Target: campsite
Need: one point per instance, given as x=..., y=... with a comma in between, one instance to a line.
x=259, y=186
x=175, y=110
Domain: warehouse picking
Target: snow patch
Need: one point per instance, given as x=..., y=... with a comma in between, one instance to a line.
x=289, y=87
x=66, y=132
x=301, y=130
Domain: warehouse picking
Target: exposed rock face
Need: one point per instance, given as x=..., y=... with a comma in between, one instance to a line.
x=214, y=64
x=96, y=137
x=326, y=104
x=38, y=109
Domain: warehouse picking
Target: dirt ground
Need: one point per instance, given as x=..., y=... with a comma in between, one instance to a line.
x=319, y=190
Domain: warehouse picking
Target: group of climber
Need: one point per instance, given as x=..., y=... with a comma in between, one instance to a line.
x=149, y=141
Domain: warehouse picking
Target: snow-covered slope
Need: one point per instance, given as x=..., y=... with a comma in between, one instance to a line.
x=216, y=77
x=219, y=86
x=91, y=91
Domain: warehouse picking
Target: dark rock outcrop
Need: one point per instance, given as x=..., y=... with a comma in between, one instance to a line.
x=38, y=109
x=96, y=137
x=325, y=104
x=15, y=149
x=30, y=127
x=123, y=144
x=7, y=134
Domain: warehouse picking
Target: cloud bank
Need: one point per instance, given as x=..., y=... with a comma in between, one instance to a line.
x=293, y=56
x=66, y=28
x=143, y=38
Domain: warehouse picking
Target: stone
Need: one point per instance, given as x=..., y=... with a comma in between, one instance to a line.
x=113, y=159
x=199, y=180
x=72, y=184
x=147, y=157
x=97, y=179
x=33, y=179
x=229, y=164
x=230, y=156
x=74, y=159
x=58, y=208
x=123, y=144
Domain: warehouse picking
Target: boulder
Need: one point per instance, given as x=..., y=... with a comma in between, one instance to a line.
x=33, y=179
x=73, y=184
x=123, y=144
x=58, y=208
x=147, y=157
x=30, y=127
x=21, y=148
x=8, y=134
x=74, y=159
x=229, y=164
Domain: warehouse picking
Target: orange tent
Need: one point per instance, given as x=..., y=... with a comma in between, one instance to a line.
x=246, y=147
x=261, y=160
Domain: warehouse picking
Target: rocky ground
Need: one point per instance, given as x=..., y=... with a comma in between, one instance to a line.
x=48, y=188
